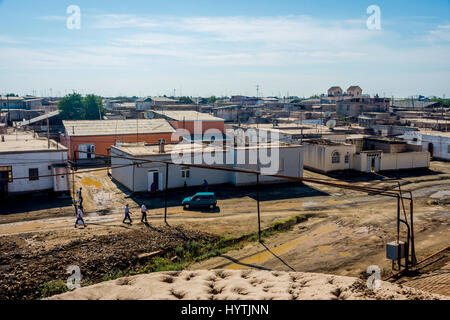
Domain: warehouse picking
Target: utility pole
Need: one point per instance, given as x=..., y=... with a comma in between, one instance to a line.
x=257, y=91
x=9, y=115
x=48, y=134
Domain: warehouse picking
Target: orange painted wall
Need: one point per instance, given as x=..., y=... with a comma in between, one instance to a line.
x=189, y=125
x=102, y=143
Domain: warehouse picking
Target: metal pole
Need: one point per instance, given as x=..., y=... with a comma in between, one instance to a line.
x=165, y=193
x=398, y=233
x=48, y=134
x=413, y=251
x=259, y=213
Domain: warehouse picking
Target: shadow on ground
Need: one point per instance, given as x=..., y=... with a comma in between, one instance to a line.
x=34, y=202
x=225, y=191
x=356, y=176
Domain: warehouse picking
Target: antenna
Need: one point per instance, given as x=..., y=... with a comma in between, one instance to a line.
x=257, y=91
x=331, y=124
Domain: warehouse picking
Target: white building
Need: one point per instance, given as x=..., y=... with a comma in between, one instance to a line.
x=140, y=176
x=372, y=155
x=29, y=164
x=435, y=142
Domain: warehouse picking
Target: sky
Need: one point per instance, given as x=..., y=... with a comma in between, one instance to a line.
x=214, y=47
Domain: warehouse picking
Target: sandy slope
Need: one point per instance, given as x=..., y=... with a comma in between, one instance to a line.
x=242, y=284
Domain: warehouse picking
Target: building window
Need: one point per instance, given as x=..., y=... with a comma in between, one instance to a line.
x=33, y=174
x=347, y=158
x=185, y=172
x=448, y=148
x=335, y=157
x=6, y=173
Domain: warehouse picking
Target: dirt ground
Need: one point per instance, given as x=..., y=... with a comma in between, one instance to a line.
x=346, y=231
x=243, y=285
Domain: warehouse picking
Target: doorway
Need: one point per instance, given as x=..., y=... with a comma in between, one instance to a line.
x=153, y=181
x=430, y=149
x=5, y=178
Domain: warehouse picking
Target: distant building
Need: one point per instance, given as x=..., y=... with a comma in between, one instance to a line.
x=190, y=120
x=435, y=142
x=12, y=102
x=373, y=155
x=143, y=104
x=354, y=91
x=335, y=92
x=29, y=165
x=355, y=106
x=243, y=100
x=97, y=136
x=227, y=113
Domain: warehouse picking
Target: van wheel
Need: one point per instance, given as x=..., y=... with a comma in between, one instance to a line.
x=211, y=206
x=186, y=207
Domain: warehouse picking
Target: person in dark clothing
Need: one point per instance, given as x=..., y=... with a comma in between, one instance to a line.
x=80, y=198
x=205, y=185
x=127, y=215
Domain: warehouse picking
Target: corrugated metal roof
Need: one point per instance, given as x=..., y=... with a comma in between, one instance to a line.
x=119, y=127
x=187, y=115
x=42, y=117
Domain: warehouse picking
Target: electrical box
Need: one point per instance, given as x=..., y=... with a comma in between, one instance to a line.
x=394, y=248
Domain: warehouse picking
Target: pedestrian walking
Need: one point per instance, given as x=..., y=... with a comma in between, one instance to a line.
x=80, y=198
x=80, y=217
x=205, y=185
x=144, y=212
x=127, y=215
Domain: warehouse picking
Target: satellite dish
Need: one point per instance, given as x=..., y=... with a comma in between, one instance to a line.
x=331, y=124
x=258, y=113
x=327, y=113
x=150, y=115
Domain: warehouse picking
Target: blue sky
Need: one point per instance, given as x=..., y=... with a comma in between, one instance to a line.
x=224, y=47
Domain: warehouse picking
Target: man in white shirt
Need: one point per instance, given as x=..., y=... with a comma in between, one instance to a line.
x=144, y=213
x=80, y=217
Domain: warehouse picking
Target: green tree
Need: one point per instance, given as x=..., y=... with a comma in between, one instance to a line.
x=71, y=107
x=93, y=107
x=212, y=99
x=445, y=102
x=186, y=100
x=75, y=107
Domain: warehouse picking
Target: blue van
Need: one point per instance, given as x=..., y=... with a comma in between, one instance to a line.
x=200, y=200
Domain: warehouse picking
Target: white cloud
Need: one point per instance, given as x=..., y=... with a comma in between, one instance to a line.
x=442, y=33
x=292, y=46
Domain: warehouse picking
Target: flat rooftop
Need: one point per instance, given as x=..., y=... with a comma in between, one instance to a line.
x=23, y=142
x=142, y=149
x=186, y=115
x=324, y=142
x=80, y=128
x=433, y=133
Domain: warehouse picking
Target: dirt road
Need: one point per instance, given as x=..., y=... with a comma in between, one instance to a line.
x=346, y=230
